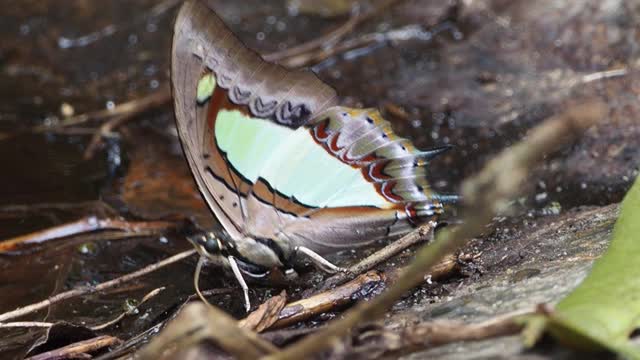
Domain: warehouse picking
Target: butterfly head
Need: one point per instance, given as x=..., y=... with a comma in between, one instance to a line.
x=207, y=245
x=216, y=248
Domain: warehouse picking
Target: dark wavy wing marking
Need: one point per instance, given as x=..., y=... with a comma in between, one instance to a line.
x=271, y=91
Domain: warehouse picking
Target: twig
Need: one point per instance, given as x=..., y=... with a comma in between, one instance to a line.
x=362, y=286
x=131, y=311
x=310, y=46
x=424, y=233
x=305, y=309
x=395, y=342
x=197, y=322
x=94, y=289
x=363, y=41
x=77, y=350
x=26, y=324
x=95, y=206
x=604, y=75
x=484, y=195
x=84, y=225
x=134, y=108
x=328, y=39
x=129, y=108
x=213, y=292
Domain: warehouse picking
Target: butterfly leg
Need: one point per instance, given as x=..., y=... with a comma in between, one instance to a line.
x=318, y=260
x=243, y=284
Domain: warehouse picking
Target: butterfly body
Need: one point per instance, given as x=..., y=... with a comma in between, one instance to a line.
x=284, y=168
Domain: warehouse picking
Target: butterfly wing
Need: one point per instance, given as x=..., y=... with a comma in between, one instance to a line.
x=382, y=191
x=214, y=76
x=277, y=159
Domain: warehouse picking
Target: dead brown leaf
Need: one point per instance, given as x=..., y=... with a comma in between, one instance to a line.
x=266, y=314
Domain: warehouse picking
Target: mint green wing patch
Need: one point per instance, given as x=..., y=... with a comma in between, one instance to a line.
x=206, y=86
x=300, y=167
x=248, y=142
x=290, y=161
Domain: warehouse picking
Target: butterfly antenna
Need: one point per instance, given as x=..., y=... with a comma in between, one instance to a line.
x=196, y=280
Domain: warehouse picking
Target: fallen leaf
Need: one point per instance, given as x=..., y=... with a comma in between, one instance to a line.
x=266, y=314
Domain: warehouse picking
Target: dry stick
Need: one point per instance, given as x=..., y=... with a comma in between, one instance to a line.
x=77, y=350
x=320, y=55
x=105, y=130
x=341, y=295
x=307, y=308
x=328, y=39
x=437, y=333
x=135, y=107
x=133, y=310
x=95, y=206
x=484, y=195
x=94, y=289
x=425, y=232
x=26, y=324
x=84, y=225
x=131, y=108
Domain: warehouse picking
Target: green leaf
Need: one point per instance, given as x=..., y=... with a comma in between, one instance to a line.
x=605, y=309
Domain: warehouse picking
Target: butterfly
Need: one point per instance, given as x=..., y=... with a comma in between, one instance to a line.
x=285, y=169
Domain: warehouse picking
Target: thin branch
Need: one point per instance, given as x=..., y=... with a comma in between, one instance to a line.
x=85, y=225
x=94, y=206
x=604, y=75
x=330, y=38
x=129, y=109
x=94, y=289
x=330, y=300
x=26, y=324
x=310, y=46
x=127, y=112
x=484, y=195
x=77, y=350
x=153, y=293
x=362, y=286
x=424, y=233
x=392, y=342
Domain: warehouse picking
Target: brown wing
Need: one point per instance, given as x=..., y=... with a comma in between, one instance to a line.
x=203, y=44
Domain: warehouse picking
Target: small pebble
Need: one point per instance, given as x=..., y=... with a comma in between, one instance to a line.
x=66, y=110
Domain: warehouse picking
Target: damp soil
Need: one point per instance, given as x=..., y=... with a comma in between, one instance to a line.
x=473, y=74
